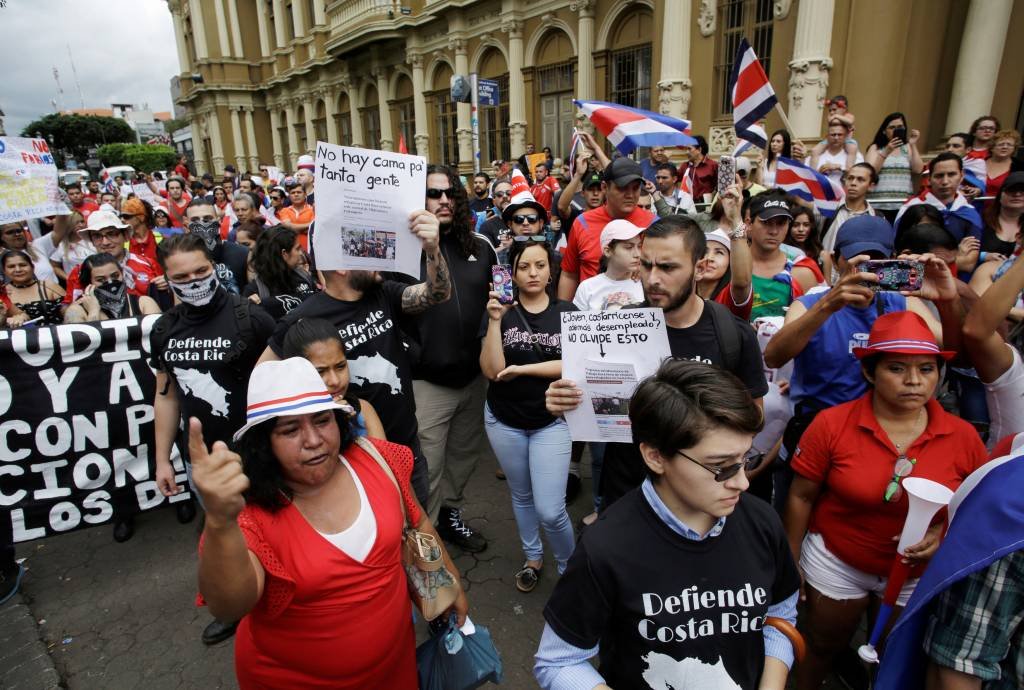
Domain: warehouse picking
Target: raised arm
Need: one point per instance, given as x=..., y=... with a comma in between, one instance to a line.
x=984, y=346
x=492, y=354
x=741, y=263
x=437, y=287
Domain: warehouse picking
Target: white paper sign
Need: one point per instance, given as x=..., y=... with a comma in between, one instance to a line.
x=363, y=202
x=28, y=180
x=143, y=192
x=607, y=353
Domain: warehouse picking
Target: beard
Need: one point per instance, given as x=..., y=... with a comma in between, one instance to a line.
x=679, y=299
x=363, y=281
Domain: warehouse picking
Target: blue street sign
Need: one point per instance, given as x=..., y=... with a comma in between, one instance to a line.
x=487, y=90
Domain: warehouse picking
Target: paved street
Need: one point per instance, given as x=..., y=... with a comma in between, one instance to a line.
x=116, y=616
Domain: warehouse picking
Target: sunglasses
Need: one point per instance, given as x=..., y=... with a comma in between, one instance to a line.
x=127, y=216
x=530, y=238
x=532, y=218
x=723, y=474
x=904, y=466
x=15, y=231
x=438, y=193
x=496, y=195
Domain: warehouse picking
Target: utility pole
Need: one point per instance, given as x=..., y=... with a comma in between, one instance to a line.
x=74, y=73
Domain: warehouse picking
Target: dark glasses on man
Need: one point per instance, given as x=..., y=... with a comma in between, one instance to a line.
x=531, y=218
x=530, y=238
x=128, y=216
x=438, y=193
x=500, y=194
x=726, y=473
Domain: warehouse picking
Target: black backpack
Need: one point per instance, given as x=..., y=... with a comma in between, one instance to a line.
x=243, y=320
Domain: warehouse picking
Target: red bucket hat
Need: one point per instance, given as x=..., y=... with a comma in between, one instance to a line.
x=901, y=333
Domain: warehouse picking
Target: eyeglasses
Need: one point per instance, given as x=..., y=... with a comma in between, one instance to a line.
x=532, y=218
x=987, y=128
x=438, y=193
x=904, y=466
x=15, y=231
x=105, y=235
x=128, y=216
x=723, y=474
x=530, y=238
x=496, y=195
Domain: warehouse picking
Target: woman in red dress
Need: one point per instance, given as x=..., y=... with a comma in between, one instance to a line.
x=303, y=541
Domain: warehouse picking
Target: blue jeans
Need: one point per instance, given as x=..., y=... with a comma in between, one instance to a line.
x=596, y=463
x=536, y=465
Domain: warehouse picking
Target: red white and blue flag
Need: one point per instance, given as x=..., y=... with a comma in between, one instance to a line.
x=630, y=128
x=752, y=95
x=810, y=185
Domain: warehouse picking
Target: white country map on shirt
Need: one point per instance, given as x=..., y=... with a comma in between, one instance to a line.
x=375, y=369
x=665, y=673
x=200, y=384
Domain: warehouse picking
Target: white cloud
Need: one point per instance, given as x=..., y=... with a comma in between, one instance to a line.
x=124, y=52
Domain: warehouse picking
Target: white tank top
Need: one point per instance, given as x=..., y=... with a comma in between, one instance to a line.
x=357, y=540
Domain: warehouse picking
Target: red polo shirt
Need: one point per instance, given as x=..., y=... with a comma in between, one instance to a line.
x=851, y=457
x=582, y=254
x=703, y=178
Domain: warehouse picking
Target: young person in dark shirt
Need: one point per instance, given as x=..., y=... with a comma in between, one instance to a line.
x=521, y=353
x=366, y=310
x=281, y=284
x=203, y=350
x=229, y=258
x=698, y=329
x=673, y=585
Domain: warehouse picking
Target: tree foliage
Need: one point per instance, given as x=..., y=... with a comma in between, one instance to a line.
x=142, y=157
x=73, y=135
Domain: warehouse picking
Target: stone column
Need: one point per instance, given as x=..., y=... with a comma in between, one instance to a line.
x=293, y=137
x=977, y=66
x=222, y=29
x=419, y=101
x=184, y=60
x=319, y=12
x=275, y=133
x=309, y=107
x=199, y=30
x=261, y=20
x=674, y=86
x=236, y=28
x=236, y=138
x=250, y=133
x=516, y=97
x=355, y=104
x=585, y=59
x=809, y=68
x=279, y=34
x=216, y=145
x=387, y=132
x=463, y=112
x=331, y=110
x=299, y=18
x=198, y=150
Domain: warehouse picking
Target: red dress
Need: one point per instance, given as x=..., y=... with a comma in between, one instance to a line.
x=326, y=620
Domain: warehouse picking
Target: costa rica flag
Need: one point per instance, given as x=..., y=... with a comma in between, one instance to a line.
x=752, y=95
x=629, y=128
x=810, y=185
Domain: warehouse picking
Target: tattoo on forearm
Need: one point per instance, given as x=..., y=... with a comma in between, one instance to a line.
x=436, y=288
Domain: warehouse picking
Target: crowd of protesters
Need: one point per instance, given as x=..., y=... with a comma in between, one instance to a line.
x=704, y=527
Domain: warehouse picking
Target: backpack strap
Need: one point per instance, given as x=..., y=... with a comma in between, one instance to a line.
x=727, y=334
x=261, y=289
x=243, y=320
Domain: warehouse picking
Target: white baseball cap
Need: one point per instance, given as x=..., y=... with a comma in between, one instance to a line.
x=718, y=235
x=619, y=229
x=287, y=387
x=102, y=219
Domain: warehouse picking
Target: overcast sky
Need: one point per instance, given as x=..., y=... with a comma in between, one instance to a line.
x=124, y=52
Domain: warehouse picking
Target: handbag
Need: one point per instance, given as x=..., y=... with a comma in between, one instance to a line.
x=431, y=587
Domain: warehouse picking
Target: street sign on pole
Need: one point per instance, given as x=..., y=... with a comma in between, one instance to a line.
x=487, y=91
x=474, y=115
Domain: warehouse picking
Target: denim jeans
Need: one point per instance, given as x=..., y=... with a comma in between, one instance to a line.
x=596, y=463
x=536, y=466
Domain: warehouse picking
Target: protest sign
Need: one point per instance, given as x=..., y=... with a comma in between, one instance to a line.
x=76, y=436
x=607, y=353
x=28, y=180
x=143, y=192
x=364, y=199
x=535, y=159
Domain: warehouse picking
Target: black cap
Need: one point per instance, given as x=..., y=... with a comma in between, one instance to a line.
x=229, y=168
x=592, y=179
x=764, y=206
x=1015, y=180
x=622, y=171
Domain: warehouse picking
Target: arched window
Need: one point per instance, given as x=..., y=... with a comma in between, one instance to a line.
x=629, y=63
x=445, y=118
x=736, y=19
x=494, y=141
x=370, y=113
x=555, y=83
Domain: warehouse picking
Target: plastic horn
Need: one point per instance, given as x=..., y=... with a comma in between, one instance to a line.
x=926, y=498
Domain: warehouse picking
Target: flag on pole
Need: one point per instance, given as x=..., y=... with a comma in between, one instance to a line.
x=573, y=152
x=402, y=148
x=742, y=145
x=752, y=95
x=629, y=128
x=810, y=185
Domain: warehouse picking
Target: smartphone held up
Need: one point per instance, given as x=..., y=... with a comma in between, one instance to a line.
x=501, y=282
x=894, y=275
x=726, y=174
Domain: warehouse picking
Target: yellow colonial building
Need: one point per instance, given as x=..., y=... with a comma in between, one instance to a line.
x=263, y=80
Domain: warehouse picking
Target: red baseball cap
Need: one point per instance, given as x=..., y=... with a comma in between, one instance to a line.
x=901, y=333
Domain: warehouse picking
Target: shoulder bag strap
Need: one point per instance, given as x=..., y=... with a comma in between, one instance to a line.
x=526, y=324
x=371, y=450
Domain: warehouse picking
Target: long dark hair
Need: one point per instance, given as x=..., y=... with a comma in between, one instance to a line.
x=812, y=245
x=148, y=215
x=991, y=213
x=881, y=138
x=268, y=263
x=517, y=249
x=787, y=145
x=267, y=486
x=462, y=219
x=91, y=262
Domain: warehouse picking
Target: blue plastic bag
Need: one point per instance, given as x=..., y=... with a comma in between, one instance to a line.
x=452, y=660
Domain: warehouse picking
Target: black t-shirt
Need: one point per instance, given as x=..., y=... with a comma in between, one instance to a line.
x=990, y=243
x=197, y=347
x=377, y=358
x=623, y=467
x=491, y=229
x=279, y=304
x=520, y=402
x=661, y=605
x=479, y=205
x=230, y=262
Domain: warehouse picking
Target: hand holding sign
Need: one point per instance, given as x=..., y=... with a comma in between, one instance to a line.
x=218, y=475
x=425, y=225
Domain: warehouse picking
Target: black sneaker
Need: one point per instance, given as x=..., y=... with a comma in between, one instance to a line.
x=527, y=578
x=124, y=529
x=216, y=632
x=9, y=583
x=186, y=511
x=454, y=531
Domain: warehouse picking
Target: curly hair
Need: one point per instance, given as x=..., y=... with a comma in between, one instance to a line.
x=462, y=219
x=268, y=263
x=268, y=488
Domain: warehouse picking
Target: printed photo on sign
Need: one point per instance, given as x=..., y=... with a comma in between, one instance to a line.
x=364, y=200
x=28, y=180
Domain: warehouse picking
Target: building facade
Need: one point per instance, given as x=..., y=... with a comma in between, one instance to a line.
x=263, y=80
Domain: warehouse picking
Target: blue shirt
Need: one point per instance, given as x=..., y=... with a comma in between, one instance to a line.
x=826, y=372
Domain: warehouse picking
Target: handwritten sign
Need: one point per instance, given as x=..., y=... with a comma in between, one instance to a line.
x=143, y=192
x=364, y=198
x=607, y=353
x=28, y=180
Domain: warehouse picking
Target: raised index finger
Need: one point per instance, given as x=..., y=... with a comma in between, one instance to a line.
x=196, y=446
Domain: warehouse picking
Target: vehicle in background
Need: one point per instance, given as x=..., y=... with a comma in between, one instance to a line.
x=125, y=172
x=66, y=177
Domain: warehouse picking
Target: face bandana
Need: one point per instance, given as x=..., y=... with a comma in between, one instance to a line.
x=209, y=231
x=113, y=297
x=197, y=292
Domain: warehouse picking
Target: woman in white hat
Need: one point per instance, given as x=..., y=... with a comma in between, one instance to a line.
x=303, y=541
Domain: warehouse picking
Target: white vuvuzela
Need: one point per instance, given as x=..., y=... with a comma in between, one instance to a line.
x=926, y=499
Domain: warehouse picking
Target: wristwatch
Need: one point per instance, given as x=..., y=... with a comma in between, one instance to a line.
x=740, y=232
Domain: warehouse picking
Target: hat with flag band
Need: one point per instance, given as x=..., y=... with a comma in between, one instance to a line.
x=284, y=388
x=901, y=333
x=522, y=197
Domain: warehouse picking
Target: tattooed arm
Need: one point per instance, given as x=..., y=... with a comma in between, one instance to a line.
x=437, y=287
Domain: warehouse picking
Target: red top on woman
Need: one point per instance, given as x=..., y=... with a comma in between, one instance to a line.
x=326, y=620
x=851, y=456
